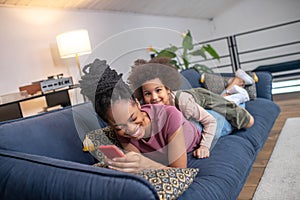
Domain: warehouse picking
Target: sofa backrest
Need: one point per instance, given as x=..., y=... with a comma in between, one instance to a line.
x=263, y=86
x=56, y=134
x=192, y=76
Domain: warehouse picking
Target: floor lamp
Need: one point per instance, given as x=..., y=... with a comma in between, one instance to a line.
x=73, y=44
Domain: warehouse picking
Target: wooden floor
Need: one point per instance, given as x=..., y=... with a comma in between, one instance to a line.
x=290, y=107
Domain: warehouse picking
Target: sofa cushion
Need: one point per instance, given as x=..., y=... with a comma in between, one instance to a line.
x=265, y=113
x=170, y=183
x=193, y=78
x=222, y=175
x=55, y=134
x=102, y=136
x=25, y=176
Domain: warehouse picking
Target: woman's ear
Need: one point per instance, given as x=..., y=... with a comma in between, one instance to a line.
x=138, y=103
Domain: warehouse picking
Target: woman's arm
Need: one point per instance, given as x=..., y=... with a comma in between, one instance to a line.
x=133, y=161
x=177, y=154
x=128, y=147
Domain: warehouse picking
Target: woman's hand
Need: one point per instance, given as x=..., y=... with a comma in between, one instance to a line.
x=201, y=152
x=133, y=162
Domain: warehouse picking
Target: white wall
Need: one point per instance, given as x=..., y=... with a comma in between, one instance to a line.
x=253, y=14
x=28, y=46
x=250, y=15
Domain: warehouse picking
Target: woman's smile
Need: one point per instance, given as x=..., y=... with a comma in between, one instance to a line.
x=138, y=133
x=128, y=120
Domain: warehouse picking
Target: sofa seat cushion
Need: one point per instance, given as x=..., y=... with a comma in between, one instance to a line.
x=224, y=172
x=25, y=176
x=265, y=113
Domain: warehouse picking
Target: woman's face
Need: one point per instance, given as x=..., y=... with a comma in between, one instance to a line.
x=128, y=120
x=154, y=92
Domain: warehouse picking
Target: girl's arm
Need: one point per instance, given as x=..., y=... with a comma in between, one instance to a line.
x=191, y=110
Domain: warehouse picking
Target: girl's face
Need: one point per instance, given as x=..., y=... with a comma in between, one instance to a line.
x=154, y=92
x=128, y=120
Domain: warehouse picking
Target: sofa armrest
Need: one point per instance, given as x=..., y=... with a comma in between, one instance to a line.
x=25, y=176
x=264, y=85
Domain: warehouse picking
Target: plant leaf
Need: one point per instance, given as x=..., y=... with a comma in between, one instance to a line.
x=186, y=63
x=172, y=49
x=199, y=52
x=166, y=53
x=187, y=42
x=202, y=68
x=211, y=51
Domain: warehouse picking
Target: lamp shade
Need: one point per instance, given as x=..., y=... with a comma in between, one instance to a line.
x=73, y=42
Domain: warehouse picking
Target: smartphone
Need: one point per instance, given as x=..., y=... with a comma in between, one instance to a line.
x=111, y=151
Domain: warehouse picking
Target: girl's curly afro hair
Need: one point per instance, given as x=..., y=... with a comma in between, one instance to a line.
x=160, y=68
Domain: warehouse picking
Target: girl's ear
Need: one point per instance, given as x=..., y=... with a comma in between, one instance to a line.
x=168, y=89
x=138, y=103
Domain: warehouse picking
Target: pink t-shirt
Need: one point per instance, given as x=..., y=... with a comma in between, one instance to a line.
x=165, y=120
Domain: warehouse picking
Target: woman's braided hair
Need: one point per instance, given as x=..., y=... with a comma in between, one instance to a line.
x=103, y=86
x=160, y=68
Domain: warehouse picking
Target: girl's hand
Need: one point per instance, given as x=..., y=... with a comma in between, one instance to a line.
x=133, y=162
x=201, y=152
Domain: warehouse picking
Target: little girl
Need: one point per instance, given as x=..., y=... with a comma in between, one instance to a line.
x=155, y=82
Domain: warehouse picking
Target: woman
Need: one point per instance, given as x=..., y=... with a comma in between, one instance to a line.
x=154, y=136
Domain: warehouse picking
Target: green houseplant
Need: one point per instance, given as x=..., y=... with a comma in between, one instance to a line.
x=180, y=56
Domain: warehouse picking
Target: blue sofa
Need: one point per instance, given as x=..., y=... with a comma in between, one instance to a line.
x=41, y=156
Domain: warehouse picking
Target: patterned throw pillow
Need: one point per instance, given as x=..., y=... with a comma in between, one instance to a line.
x=217, y=83
x=103, y=136
x=170, y=183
